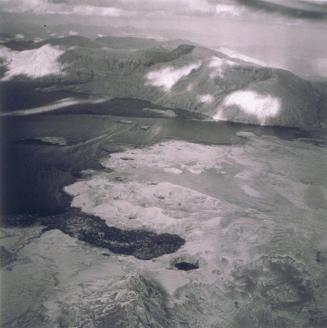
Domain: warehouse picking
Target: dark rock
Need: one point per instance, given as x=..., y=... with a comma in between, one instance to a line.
x=6, y=257
x=142, y=244
x=127, y=158
x=320, y=257
x=119, y=179
x=279, y=281
x=18, y=220
x=49, y=141
x=76, y=173
x=186, y=266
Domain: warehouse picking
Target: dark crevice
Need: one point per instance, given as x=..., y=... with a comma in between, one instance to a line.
x=186, y=266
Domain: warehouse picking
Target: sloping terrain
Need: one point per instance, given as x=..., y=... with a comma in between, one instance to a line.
x=157, y=216
x=168, y=74
x=252, y=216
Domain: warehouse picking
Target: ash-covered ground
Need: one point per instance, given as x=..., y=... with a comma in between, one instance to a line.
x=163, y=222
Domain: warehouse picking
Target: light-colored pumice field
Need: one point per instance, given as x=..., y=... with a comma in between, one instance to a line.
x=255, y=253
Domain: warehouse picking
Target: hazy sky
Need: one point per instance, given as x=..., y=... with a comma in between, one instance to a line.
x=165, y=14
x=286, y=33
x=120, y=8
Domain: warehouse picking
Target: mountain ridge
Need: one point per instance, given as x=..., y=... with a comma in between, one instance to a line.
x=176, y=75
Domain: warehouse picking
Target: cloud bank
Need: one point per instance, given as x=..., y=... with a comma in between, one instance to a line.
x=121, y=8
x=314, y=9
x=167, y=77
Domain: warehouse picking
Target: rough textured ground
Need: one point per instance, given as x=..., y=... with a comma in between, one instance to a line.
x=253, y=216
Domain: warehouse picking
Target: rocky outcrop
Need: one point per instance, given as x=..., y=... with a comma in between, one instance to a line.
x=144, y=245
x=136, y=301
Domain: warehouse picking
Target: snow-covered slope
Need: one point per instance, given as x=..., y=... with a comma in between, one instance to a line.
x=187, y=76
x=283, y=100
x=34, y=63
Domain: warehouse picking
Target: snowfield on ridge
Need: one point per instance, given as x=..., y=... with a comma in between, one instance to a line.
x=171, y=75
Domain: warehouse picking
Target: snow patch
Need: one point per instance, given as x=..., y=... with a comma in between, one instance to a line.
x=51, y=107
x=5, y=55
x=262, y=106
x=162, y=113
x=33, y=63
x=173, y=170
x=167, y=77
x=227, y=10
x=245, y=134
x=219, y=66
x=19, y=36
x=205, y=99
x=37, y=40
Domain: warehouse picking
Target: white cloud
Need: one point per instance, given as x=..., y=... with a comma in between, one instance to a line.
x=96, y=11
x=205, y=99
x=168, y=76
x=185, y=7
x=50, y=107
x=320, y=67
x=236, y=55
x=296, y=3
x=116, y=8
x=168, y=6
x=263, y=107
x=228, y=10
x=46, y=7
x=22, y=6
x=219, y=65
x=33, y=63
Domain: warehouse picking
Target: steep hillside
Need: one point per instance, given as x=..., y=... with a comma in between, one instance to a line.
x=168, y=74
